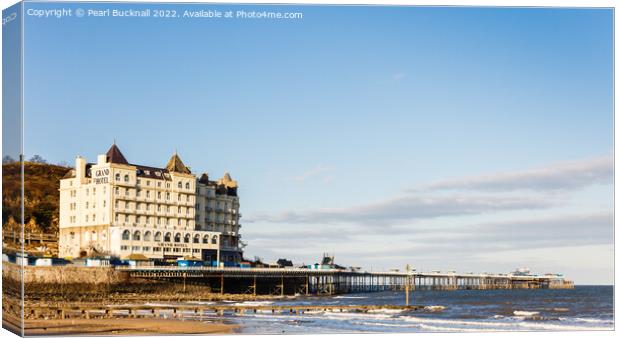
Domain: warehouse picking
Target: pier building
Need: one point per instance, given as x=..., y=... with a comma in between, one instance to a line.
x=115, y=208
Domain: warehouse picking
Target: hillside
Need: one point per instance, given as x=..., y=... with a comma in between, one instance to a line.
x=41, y=183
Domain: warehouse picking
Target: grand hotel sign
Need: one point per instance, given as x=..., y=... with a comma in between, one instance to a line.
x=100, y=176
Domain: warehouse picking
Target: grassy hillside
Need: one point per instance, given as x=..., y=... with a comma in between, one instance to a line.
x=41, y=183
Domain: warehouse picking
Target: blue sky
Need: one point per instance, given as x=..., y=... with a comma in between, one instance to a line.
x=330, y=121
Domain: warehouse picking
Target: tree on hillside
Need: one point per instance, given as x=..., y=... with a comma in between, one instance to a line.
x=7, y=159
x=37, y=159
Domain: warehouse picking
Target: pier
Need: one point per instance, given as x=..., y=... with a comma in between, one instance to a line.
x=290, y=281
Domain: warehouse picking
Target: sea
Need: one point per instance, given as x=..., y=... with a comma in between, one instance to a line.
x=581, y=308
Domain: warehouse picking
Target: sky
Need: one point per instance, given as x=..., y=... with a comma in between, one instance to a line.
x=448, y=138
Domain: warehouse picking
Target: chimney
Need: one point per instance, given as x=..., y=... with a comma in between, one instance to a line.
x=80, y=168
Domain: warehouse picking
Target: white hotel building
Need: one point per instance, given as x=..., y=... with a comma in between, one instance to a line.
x=120, y=209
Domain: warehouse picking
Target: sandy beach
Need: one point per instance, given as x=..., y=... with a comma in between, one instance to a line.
x=124, y=326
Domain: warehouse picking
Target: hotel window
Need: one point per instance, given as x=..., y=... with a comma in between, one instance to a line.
x=148, y=220
x=126, y=178
x=177, y=238
x=167, y=221
x=146, y=248
x=166, y=249
x=138, y=181
x=126, y=218
x=168, y=196
x=116, y=204
x=156, y=249
x=126, y=192
x=86, y=205
x=117, y=191
x=196, y=250
x=86, y=217
x=159, y=194
x=167, y=184
x=116, y=217
x=72, y=235
x=158, y=183
x=197, y=238
x=168, y=208
x=94, y=218
x=187, y=198
x=180, y=185
x=138, y=192
x=187, y=185
x=148, y=194
x=126, y=235
x=214, y=240
x=148, y=183
x=159, y=207
x=157, y=237
x=138, y=219
x=179, y=197
x=148, y=207
x=158, y=221
x=167, y=237
x=179, y=210
x=136, y=235
x=117, y=177
x=104, y=189
x=186, y=238
x=124, y=247
x=135, y=248
x=86, y=191
x=94, y=191
x=205, y=239
x=104, y=203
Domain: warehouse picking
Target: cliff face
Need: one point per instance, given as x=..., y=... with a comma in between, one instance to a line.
x=41, y=198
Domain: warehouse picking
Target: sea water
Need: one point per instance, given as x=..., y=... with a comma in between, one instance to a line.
x=582, y=308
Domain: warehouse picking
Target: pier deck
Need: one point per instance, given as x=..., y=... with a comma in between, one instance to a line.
x=335, y=281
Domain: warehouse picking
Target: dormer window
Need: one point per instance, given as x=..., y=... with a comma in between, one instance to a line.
x=126, y=178
x=187, y=185
x=117, y=177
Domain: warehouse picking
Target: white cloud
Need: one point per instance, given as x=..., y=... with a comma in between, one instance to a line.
x=555, y=177
x=315, y=172
x=405, y=208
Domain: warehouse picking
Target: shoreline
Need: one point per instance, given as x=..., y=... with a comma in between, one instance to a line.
x=124, y=326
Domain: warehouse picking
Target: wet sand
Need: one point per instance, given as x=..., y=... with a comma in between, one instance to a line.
x=124, y=326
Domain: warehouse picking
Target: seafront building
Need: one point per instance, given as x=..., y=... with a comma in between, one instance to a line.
x=119, y=209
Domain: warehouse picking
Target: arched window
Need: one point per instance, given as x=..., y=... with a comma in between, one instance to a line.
x=205, y=239
x=117, y=177
x=126, y=178
x=136, y=235
x=214, y=240
x=187, y=185
x=177, y=238
x=158, y=236
x=180, y=185
x=186, y=238
x=197, y=238
x=147, y=236
x=126, y=235
x=167, y=237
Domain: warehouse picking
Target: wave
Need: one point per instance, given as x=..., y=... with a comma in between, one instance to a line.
x=526, y=313
x=349, y=297
x=253, y=303
x=434, y=308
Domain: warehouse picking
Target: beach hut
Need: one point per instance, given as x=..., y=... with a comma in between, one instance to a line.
x=189, y=261
x=138, y=260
